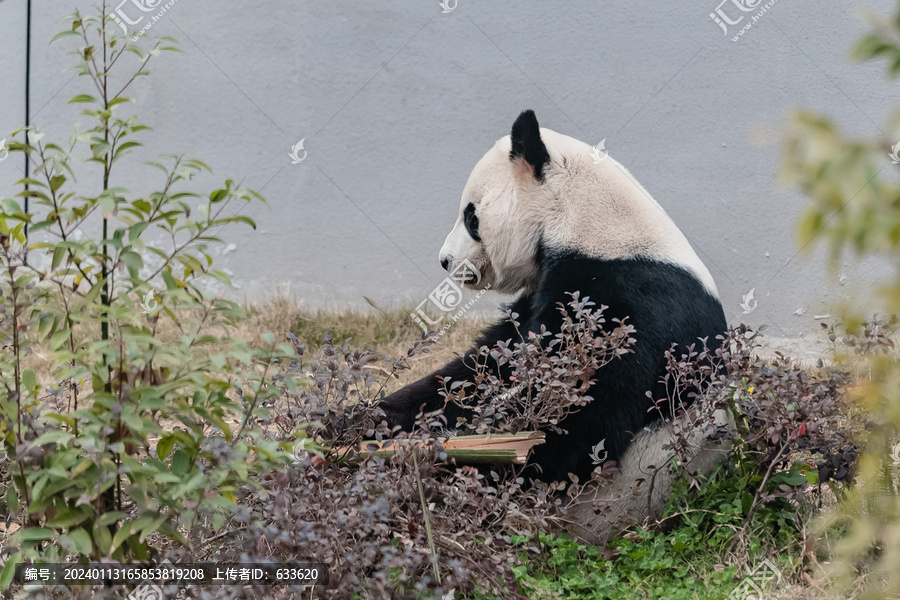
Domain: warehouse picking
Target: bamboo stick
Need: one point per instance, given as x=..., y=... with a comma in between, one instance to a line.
x=499, y=449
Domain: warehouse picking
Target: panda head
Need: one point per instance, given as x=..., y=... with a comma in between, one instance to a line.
x=502, y=212
x=538, y=189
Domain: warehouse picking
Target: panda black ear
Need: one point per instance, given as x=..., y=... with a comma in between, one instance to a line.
x=527, y=143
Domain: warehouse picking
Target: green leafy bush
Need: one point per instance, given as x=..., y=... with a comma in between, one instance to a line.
x=150, y=427
x=854, y=207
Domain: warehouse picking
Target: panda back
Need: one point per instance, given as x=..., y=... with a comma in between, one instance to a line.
x=664, y=302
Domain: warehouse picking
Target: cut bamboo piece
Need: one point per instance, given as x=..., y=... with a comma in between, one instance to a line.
x=498, y=449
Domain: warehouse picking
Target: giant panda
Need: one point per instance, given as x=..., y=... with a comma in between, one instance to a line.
x=540, y=217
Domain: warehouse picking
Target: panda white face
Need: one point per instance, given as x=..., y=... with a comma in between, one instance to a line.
x=500, y=220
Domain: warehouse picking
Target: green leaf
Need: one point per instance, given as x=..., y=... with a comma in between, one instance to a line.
x=63, y=34
x=111, y=517
x=746, y=502
x=241, y=219
x=793, y=477
x=123, y=149
x=58, y=254
x=174, y=534
x=82, y=467
x=100, y=149
x=151, y=527
x=81, y=98
x=180, y=462
x=164, y=447
x=12, y=498
x=103, y=538
x=78, y=540
x=53, y=437
x=221, y=424
x=67, y=518
x=107, y=206
x=134, y=422
x=9, y=570
x=130, y=528
x=28, y=379
x=36, y=534
x=121, y=535
x=132, y=260
x=10, y=206
x=895, y=68
x=59, y=338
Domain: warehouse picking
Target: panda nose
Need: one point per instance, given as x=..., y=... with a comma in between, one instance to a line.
x=445, y=263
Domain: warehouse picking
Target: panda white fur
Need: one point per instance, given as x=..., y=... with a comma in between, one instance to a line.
x=540, y=217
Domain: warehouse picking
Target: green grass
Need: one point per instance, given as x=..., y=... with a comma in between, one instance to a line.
x=687, y=560
x=645, y=567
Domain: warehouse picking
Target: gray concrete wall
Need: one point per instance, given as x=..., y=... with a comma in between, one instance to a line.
x=396, y=101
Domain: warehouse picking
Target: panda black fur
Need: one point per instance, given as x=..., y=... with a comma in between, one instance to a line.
x=540, y=216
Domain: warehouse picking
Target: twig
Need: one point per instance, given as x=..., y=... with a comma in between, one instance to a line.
x=437, y=573
x=753, y=506
x=219, y=536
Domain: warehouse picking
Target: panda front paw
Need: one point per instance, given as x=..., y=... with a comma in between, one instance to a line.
x=394, y=415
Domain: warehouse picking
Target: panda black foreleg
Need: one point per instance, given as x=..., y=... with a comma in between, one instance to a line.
x=423, y=396
x=402, y=407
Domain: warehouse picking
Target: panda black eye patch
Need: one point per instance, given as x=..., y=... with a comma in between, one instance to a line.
x=471, y=221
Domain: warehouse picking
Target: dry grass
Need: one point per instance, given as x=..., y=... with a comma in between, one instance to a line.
x=389, y=332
